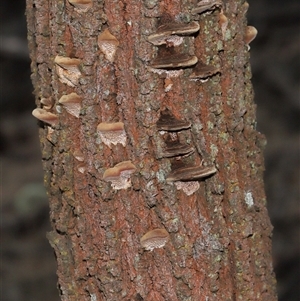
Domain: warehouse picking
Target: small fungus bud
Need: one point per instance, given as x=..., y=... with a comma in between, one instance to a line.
x=72, y=103
x=207, y=6
x=203, y=72
x=112, y=133
x=119, y=175
x=81, y=6
x=108, y=44
x=191, y=173
x=45, y=116
x=250, y=35
x=156, y=238
x=172, y=60
x=167, y=122
x=188, y=187
x=67, y=70
x=165, y=33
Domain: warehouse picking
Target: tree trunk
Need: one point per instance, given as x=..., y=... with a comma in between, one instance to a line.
x=193, y=158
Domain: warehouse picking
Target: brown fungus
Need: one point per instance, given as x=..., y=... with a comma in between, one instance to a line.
x=156, y=238
x=119, y=175
x=67, y=70
x=171, y=33
x=72, y=103
x=168, y=122
x=177, y=149
x=250, y=35
x=191, y=173
x=173, y=61
x=207, y=6
x=108, y=44
x=81, y=6
x=202, y=72
x=45, y=116
x=112, y=133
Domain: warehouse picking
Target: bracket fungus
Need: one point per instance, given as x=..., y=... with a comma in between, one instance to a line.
x=207, y=6
x=45, y=116
x=112, y=133
x=67, y=70
x=81, y=6
x=119, y=175
x=72, y=103
x=190, y=173
x=250, y=35
x=173, y=61
x=108, y=44
x=177, y=149
x=202, y=72
x=168, y=122
x=188, y=187
x=156, y=238
x=171, y=33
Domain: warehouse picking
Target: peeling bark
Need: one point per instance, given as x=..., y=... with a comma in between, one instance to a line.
x=219, y=245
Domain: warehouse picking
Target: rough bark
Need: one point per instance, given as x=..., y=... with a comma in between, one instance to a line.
x=220, y=236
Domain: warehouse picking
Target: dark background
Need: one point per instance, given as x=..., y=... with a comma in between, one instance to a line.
x=27, y=260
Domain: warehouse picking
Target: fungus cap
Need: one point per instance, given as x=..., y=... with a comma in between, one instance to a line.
x=72, y=103
x=174, y=60
x=191, y=173
x=112, y=133
x=119, y=175
x=207, y=6
x=67, y=70
x=156, y=238
x=168, y=122
x=108, y=44
x=165, y=31
x=45, y=116
x=203, y=71
x=81, y=5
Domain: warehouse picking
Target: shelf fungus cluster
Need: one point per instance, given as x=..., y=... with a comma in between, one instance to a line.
x=171, y=59
x=156, y=238
x=119, y=175
x=185, y=177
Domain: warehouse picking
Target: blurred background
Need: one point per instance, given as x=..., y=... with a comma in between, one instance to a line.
x=27, y=260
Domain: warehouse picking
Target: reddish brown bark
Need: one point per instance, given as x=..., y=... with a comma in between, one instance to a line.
x=220, y=236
